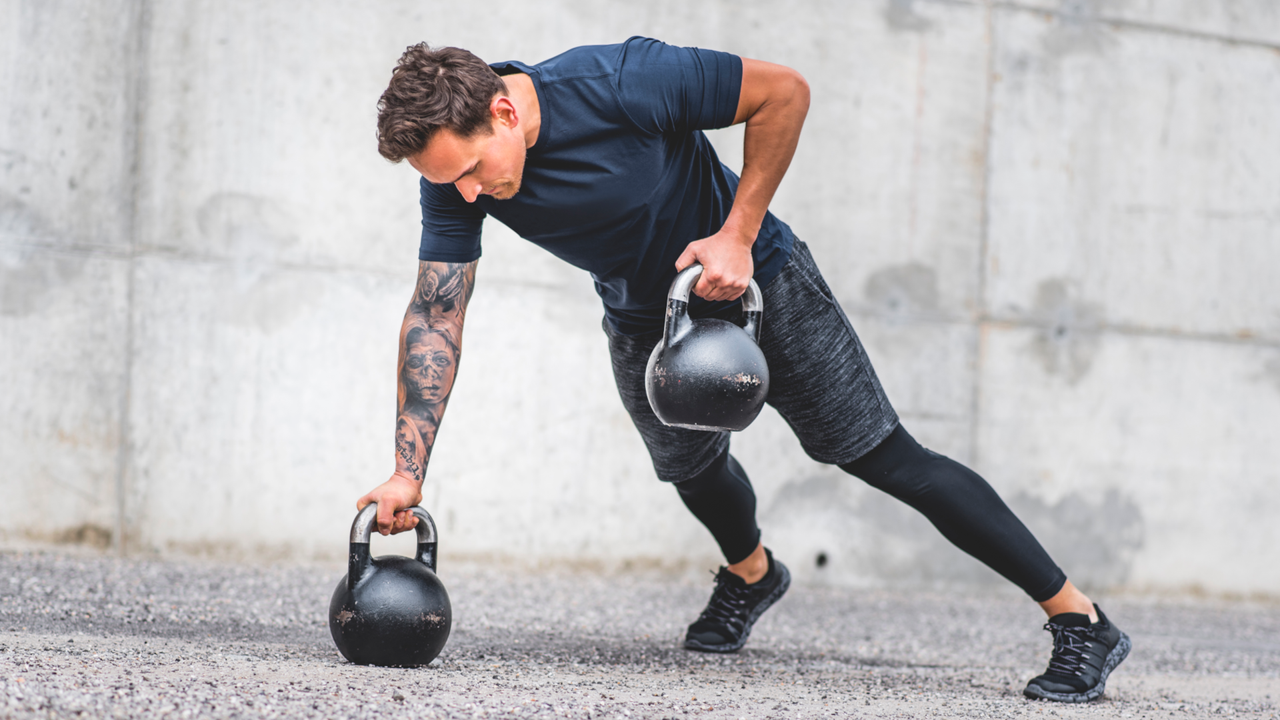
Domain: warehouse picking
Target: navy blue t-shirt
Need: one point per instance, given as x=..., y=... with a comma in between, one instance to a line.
x=621, y=177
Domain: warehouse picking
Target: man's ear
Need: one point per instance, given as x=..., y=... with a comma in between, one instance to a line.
x=504, y=111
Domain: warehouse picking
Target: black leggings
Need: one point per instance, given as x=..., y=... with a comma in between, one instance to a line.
x=964, y=508
x=722, y=498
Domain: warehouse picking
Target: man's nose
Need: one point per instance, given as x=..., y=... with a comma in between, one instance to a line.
x=469, y=190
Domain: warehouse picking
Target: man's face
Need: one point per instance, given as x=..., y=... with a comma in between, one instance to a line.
x=490, y=164
x=429, y=369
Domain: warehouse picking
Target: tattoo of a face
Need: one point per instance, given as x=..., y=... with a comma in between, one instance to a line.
x=429, y=351
x=430, y=360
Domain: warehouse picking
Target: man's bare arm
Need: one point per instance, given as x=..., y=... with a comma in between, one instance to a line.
x=773, y=103
x=430, y=348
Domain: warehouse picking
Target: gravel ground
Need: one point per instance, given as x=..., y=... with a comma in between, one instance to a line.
x=97, y=636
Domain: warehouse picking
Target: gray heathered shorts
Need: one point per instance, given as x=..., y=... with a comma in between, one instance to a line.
x=820, y=379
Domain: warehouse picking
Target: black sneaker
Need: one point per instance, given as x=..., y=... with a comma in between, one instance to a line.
x=734, y=607
x=1084, y=655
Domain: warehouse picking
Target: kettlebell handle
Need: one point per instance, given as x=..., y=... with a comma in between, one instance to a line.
x=362, y=531
x=752, y=300
x=678, y=322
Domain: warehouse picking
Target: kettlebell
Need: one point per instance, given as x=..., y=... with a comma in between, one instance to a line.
x=390, y=610
x=707, y=374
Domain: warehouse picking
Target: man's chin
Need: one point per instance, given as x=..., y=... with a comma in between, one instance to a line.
x=506, y=192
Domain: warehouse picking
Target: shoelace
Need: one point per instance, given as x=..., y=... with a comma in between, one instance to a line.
x=727, y=604
x=1069, y=644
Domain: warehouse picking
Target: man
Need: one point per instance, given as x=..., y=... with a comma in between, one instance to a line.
x=598, y=156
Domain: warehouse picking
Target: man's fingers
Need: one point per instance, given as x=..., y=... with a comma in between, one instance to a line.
x=708, y=286
x=704, y=288
x=733, y=292
x=404, y=521
x=687, y=258
x=717, y=281
x=717, y=288
x=386, y=518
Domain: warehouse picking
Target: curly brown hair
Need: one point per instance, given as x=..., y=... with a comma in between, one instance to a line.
x=433, y=89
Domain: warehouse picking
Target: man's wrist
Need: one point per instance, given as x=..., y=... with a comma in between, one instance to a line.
x=404, y=477
x=738, y=232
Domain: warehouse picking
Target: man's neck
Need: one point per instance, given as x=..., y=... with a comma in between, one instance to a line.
x=525, y=97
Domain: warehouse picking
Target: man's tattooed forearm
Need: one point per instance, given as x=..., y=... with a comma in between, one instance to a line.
x=444, y=288
x=409, y=465
x=430, y=346
x=409, y=448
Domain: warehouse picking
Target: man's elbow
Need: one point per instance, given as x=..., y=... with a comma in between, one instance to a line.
x=770, y=88
x=788, y=88
x=799, y=89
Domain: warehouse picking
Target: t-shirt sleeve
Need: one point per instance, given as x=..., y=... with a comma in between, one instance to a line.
x=450, y=225
x=664, y=88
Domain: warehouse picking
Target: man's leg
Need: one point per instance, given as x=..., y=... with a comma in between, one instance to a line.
x=823, y=385
x=716, y=490
x=969, y=513
x=722, y=499
x=964, y=508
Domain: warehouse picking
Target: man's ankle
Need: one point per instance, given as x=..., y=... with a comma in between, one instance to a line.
x=1069, y=599
x=753, y=569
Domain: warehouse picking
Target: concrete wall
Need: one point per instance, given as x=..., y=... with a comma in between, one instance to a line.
x=1055, y=225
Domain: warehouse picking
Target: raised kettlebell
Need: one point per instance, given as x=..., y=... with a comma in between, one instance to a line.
x=390, y=610
x=707, y=374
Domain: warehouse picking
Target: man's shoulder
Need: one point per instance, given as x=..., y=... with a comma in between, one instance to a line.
x=584, y=61
x=589, y=61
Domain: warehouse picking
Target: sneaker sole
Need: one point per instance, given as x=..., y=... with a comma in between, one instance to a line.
x=765, y=604
x=1117, y=654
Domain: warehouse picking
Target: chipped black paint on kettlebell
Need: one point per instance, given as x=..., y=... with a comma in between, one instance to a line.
x=391, y=610
x=707, y=374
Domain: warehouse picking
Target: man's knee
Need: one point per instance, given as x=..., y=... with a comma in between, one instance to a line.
x=896, y=451
x=707, y=476
x=723, y=475
x=899, y=466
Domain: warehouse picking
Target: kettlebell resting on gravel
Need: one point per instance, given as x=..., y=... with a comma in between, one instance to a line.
x=707, y=374
x=391, y=610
